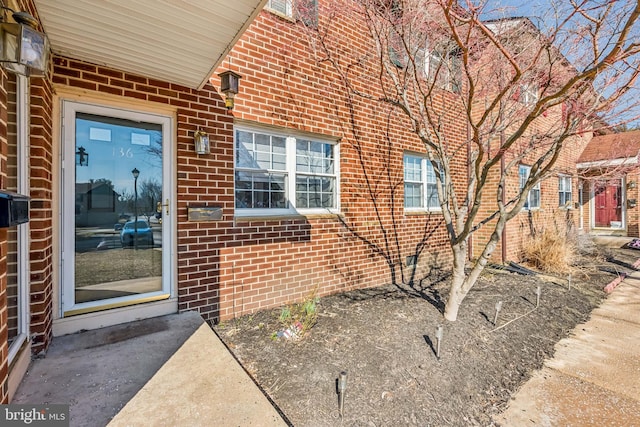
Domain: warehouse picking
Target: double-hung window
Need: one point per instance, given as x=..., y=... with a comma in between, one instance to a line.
x=443, y=66
x=282, y=174
x=533, y=197
x=420, y=186
x=529, y=94
x=564, y=191
x=315, y=175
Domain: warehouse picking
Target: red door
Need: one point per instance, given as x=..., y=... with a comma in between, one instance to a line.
x=608, y=204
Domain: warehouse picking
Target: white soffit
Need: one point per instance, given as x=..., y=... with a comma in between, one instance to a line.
x=623, y=161
x=180, y=41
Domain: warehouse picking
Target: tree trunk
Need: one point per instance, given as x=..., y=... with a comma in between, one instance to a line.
x=461, y=283
x=392, y=271
x=456, y=291
x=453, y=304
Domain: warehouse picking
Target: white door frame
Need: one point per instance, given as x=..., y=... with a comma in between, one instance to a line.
x=68, y=307
x=623, y=207
x=22, y=141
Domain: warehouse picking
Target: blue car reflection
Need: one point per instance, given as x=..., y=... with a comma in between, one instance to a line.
x=142, y=234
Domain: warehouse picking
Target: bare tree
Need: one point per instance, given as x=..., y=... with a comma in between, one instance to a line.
x=150, y=194
x=519, y=91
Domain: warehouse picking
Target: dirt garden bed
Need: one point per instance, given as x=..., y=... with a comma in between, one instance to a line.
x=384, y=338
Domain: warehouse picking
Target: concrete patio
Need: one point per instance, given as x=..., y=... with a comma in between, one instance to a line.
x=171, y=370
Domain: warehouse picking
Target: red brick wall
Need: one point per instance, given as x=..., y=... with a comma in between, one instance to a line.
x=200, y=179
x=271, y=261
x=235, y=265
x=41, y=214
x=230, y=267
x=633, y=212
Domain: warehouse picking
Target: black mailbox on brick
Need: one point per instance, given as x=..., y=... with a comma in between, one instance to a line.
x=14, y=209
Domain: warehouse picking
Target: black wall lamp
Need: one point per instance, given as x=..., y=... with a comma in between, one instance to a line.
x=229, y=85
x=23, y=49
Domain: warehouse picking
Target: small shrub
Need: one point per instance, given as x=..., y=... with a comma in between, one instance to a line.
x=304, y=314
x=550, y=252
x=285, y=315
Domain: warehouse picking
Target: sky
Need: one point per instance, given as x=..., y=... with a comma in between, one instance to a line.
x=539, y=8
x=501, y=8
x=115, y=148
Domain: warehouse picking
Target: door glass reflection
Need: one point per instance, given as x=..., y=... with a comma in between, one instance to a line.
x=118, y=228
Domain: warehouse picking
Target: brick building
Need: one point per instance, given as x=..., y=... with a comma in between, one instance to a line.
x=82, y=124
x=296, y=195
x=360, y=234
x=555, y=204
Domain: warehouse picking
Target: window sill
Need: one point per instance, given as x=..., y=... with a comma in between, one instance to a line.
x=280, y=14
x=248, y=217
x=251, y=218
x=422, y=212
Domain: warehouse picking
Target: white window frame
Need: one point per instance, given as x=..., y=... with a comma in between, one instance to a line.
x=446, y=64
x=425, y=163
x=23, y=270
x=565, y=186
x=290, y=173
x=288, y=7
x=522, y=179
x=581, y=203
x=529, y=94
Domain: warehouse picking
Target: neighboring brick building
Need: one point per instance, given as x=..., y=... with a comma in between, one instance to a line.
x=610, y=166
x=554, y=204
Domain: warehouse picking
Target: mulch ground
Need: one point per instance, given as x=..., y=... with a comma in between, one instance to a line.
x=385, y=339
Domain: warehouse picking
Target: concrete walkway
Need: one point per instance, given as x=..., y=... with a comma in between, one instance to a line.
x=594, y=376
x=166, y=371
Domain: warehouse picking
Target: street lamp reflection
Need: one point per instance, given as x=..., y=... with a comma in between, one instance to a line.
x=136, y=173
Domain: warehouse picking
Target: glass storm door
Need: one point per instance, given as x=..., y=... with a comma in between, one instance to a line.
x=115, y=222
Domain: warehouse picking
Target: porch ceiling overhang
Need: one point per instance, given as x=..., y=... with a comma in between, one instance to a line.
x=179, y=41
x=627, y=161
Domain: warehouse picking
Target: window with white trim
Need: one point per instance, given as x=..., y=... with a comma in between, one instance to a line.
x=533, y=198
x=565, y=196
x=529, y=94
x=442, y=66
x=445, y=69
x=284, y=7
x=282, y=174
x=420, y=186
